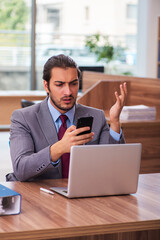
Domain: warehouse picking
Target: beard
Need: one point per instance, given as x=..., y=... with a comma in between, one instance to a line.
x=59, y=105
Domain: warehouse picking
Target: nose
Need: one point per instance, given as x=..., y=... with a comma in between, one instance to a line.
x=67, y=90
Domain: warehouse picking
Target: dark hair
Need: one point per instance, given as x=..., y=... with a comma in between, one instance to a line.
x=60, y=61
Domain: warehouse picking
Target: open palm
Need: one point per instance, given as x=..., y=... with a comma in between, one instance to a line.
x=116, y=109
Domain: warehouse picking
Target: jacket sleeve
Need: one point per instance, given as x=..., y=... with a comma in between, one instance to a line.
x=105, y=136
x=26, y=162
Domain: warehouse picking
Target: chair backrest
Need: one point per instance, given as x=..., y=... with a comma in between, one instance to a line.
x=26, y=103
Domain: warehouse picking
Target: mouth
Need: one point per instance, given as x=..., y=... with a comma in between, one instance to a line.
x=67, y=100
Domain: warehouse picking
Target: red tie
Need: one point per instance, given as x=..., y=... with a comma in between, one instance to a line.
x=66, y=156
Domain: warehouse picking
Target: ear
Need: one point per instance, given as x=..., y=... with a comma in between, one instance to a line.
x=45, y=84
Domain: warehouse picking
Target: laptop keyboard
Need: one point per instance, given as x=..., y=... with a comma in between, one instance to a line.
x=65, y=191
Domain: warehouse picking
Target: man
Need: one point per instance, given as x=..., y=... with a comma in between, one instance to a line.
x=37, y=150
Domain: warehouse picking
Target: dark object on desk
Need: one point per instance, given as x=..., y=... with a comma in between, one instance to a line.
x=10, y=201
x=26, y=103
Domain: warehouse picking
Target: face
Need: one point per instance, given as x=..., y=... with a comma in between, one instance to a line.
x=63, y=88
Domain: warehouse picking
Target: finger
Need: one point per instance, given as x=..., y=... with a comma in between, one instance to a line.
x=125, y=92
x=83, y=141
x=122, y=91
x=125, y=88
x=71, y=128
x=117, y=98
x=84, y=136
x=80, y=130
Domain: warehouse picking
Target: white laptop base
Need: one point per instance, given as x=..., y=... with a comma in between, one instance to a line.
x=101, y=170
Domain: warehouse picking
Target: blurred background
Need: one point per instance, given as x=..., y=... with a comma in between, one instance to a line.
x=116, y=37
x=120, y=36
x=32, y=31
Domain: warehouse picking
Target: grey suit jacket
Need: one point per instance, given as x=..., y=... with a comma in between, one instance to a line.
x=33, y=132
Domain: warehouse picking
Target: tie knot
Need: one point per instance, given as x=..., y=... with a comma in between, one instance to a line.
x=63, y=118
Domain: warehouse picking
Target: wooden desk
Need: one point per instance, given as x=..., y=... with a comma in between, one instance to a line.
x=45, y=216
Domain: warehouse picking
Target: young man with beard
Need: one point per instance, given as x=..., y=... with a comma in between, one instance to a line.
x=37, y=151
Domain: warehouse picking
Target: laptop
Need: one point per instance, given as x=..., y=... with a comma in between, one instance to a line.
x=102, y=170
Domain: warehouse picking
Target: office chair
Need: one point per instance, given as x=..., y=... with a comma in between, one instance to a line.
x=26, y=103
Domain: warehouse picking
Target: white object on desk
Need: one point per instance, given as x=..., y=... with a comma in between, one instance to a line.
x=138, y=112
x=46, y=191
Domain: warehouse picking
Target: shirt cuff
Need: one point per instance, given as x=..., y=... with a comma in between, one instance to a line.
x=115, y=135
x=54, y=163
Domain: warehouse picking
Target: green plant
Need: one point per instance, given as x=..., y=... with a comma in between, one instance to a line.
x=102, y=48
x=128, y=73
x=13, y=14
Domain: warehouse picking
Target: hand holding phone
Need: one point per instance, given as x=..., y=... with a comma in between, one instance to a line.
x=85, y=122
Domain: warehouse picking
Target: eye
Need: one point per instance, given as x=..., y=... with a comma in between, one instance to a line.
x=74, y=83
x=59, y=84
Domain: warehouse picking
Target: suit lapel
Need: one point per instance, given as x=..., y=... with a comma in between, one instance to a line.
x=80, y=111
x=46, y=123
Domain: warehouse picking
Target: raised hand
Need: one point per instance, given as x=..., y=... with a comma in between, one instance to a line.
x=116, y=109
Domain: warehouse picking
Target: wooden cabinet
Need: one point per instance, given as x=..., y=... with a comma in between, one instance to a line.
x=140, y=91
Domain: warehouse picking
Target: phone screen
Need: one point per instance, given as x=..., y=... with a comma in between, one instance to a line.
x=85, y=122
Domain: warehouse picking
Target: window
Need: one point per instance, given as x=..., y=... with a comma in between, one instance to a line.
x=61, y=27
x=87, y=13
x=15, y=45
x=53, y=16
x=131, y=11
x=69, y=22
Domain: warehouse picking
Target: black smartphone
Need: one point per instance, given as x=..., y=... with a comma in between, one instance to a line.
x=85, y=122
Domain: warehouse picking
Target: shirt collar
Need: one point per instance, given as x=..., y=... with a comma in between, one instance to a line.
x=55, y=113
